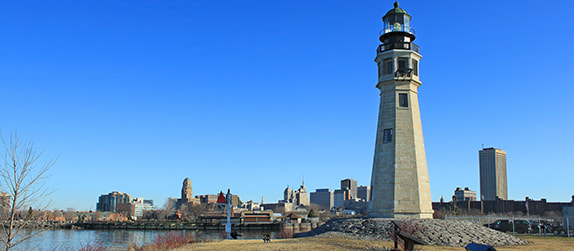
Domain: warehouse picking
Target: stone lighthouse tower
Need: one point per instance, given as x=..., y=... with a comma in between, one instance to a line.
x=399, y=181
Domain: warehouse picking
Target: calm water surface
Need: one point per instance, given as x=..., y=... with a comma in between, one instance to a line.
x=64, y=239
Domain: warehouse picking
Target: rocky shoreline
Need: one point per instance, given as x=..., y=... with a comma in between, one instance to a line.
x=45, y=224
x=434, y=232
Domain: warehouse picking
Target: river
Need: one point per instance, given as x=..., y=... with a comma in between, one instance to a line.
x=65, y=239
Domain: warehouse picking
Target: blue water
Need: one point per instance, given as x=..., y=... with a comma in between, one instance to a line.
x=64, y=239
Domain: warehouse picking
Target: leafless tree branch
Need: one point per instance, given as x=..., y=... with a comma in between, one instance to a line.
x=22, y=177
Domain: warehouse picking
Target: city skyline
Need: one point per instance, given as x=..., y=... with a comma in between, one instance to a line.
x=251, y=96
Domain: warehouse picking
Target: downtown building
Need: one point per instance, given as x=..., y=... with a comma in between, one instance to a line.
x=322, y=198
x=464, y=194
x=348, y=196
x=351, y=185
x=207, y=198
x=140, y=205
x=492, y=163
x=364, y=193
x=123, y=203
x=113, y=202
x=298, y=197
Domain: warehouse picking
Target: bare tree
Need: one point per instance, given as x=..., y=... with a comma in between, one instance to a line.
x=169, y=209
x=191, y=212
x=70, y=214
x=22, y=176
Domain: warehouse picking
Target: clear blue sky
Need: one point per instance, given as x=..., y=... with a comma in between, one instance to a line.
x=134, y=96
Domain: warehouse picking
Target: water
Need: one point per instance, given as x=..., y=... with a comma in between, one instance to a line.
x=65, y=239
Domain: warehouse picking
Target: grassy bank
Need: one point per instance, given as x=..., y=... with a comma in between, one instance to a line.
x=333, y=244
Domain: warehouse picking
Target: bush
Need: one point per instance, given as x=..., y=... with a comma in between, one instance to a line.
x=172, y=240
x=92, y=246
x=166, y=241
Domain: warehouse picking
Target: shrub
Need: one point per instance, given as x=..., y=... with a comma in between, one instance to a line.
x=171, y=240
x=166, y=241
x=92, y=246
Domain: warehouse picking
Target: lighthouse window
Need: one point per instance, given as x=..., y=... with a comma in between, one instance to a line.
x=415, y=67
x=402, y=63
x=403, y=100
x=388, y=135
x=388, y=64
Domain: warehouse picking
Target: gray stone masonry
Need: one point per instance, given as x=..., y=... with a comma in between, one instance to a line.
x=434, y=232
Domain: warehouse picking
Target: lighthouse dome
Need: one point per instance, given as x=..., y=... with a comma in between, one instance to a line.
x=397, y=10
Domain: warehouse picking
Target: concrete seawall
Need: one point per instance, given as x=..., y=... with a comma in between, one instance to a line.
x=173, y=226
x=298, y=227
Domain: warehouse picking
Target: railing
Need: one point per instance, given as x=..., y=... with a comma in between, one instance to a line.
x=397, y=28
x=398, y=45
x=404, y=73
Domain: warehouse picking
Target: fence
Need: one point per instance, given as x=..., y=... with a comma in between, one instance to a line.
x=487, y=219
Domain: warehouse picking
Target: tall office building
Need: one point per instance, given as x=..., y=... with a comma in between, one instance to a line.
x=399, y=182
x=351, y=185
x=322, y=197
x=364, y=193
x=339, y=197
x=492, y=174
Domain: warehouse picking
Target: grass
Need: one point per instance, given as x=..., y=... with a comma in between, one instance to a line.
x=334, y=244
x=310, y=243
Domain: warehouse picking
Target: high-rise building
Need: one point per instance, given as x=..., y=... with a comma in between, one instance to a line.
x=351, y=185
x=399, y=182
x=322, y=197
x=186, y=191
x=364, y=193
x=339, y=198
x=113, y=202
x=492, y=174
x=187, y=198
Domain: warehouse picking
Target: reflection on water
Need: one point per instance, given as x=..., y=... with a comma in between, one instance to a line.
x=65, y=239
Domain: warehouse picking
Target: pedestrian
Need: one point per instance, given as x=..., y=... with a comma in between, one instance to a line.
x=266, y=238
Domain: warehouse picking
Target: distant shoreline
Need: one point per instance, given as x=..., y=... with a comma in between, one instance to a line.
x=146, y=225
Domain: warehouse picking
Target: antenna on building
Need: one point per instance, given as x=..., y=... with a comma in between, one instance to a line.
x=483, y=146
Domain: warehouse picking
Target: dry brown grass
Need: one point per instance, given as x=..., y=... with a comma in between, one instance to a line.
x=310, y=243
x=333, y=244
x=536, y=243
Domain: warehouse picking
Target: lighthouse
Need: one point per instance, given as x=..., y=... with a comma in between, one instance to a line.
x=399, y=181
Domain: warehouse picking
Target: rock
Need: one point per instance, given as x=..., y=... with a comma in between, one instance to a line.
x=434, y=232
